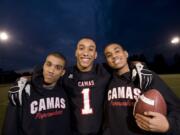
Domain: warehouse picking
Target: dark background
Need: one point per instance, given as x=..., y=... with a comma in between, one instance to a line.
x=37, y=27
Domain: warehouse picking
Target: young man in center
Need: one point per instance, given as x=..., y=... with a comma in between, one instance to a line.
x=121, y=95
x=86, y=83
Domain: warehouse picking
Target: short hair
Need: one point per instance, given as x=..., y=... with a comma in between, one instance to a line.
x=122, y=46
x=58, y=55
x=88, y=38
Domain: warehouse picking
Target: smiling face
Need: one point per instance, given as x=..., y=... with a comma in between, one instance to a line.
x=53, y=69
x=85, y=54
x=116, y=57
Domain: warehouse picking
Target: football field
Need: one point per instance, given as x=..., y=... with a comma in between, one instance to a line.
x=172, y=80
x=3, y=101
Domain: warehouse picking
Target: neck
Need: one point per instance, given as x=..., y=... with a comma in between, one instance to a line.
x=49, y=86
x=86, y=69
x=123, y=70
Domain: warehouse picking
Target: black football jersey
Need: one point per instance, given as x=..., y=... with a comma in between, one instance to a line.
x=86, y=91
x=120, y=99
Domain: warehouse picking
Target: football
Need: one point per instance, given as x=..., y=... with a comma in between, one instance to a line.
x=151, y=100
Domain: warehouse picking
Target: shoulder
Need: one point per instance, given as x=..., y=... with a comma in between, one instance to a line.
x=69, y=74
x=71, y=70
x=156, y=78
x=107, y=68
x=159, y=84
x=103, y=68
x=102, y=71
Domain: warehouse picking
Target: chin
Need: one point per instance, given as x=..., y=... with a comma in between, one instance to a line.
x=85, y=65
x=117, y=66
x=47, y=81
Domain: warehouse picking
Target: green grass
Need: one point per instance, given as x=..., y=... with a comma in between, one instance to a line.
x=3, y=102
x=172, y=80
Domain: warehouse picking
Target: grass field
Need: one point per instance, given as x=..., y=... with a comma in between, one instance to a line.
x=172, y=80
x=3, y=102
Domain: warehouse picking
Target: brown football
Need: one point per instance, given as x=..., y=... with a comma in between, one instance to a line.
x=150, y=100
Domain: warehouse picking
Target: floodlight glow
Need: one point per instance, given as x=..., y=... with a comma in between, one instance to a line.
x=175, y=40
x=4, y=36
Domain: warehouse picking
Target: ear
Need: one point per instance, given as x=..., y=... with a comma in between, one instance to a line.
x=76, y=53
x=63, y=72
x=96, y=55
x=126, y=53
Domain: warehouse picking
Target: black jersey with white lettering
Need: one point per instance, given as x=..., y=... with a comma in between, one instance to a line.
x=120, y=99
x=86, y=91
x=44, y=112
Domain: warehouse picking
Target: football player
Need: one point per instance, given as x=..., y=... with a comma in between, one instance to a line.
x=121, y=95
x=45, y=108
x=86, y=83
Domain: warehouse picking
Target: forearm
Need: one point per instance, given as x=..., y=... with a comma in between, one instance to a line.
x=174, y=121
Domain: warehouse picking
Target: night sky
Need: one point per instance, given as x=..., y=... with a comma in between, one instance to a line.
x=37, y=27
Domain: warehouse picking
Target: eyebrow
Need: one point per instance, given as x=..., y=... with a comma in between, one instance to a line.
x=54, y=64
x=117, y=48
x=92, y=46
x=80, y=45
x=107, y=53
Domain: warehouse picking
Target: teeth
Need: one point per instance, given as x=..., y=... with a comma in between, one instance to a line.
x=116, y=61
x=85, y=60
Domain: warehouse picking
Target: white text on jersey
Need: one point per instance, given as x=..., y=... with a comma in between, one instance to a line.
x=123, y=93
x=86, y=83
x=46, y=104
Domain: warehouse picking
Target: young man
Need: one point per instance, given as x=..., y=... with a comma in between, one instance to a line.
x=121, y=95
x=45, y=109
x=86, y=83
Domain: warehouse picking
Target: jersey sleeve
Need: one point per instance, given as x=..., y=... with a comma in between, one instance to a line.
x=11, y=121
x=173, y=104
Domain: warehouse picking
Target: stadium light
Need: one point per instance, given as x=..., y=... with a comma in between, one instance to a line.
x=4, y=36
x=175, y=40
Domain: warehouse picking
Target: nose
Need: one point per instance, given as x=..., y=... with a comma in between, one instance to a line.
x=113, y=55
x=51, y=69
x=85, y=53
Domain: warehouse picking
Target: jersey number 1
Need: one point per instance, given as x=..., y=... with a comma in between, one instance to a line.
x=86, y=102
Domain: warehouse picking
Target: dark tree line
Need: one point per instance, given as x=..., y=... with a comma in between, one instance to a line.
x=10, y=76
x=159, y=64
